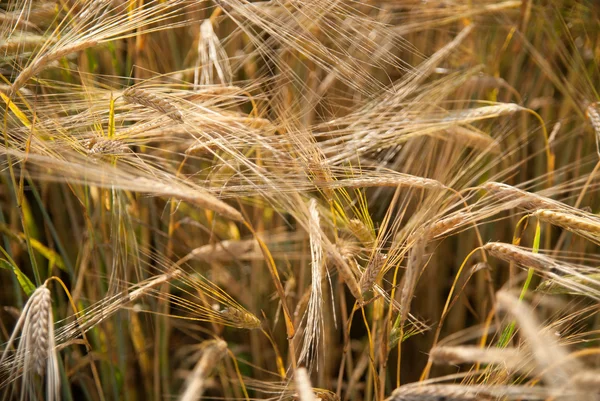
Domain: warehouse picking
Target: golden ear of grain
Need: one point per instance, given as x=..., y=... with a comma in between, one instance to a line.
x=38, y=335
x=512, y=253
x=314, y=313
x=505, y=192
x=372, y=271
x=475, y=139
x=240, y=318
x=510, y=358
x=362, y=232
x=152, y=101
x=107, y=146
x=42, y=62
x=394, y=180
x=211, y=56
x=588, y=380
x=446, y=392
x=446, y=225
x=593, y=116
x=108, y=306
x=36, y=351
x=194, y=196
x=569, y=221
x=413, y=271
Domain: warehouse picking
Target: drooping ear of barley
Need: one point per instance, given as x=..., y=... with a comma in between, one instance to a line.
x=508, y=193
x=374, y=267
x=211, y=56
x=36, y=351
x=152, y=101
x=103, y=146
x=585, y=225
x=507, y=358
x=314, y=312
x=466, y=392
x=240, y=318
x=593, y=116
x=569, y=276
x=415, y=265
x=474, y=138
x=447, y=392
x=42, y=62
x=362, y=232
x=196, y=382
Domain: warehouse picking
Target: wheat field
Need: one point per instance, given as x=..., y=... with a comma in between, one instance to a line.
x=300, y=200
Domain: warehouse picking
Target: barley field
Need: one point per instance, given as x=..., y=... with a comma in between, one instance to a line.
x=300, y=200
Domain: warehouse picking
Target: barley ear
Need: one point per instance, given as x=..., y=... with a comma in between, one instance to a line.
x=36, y=351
